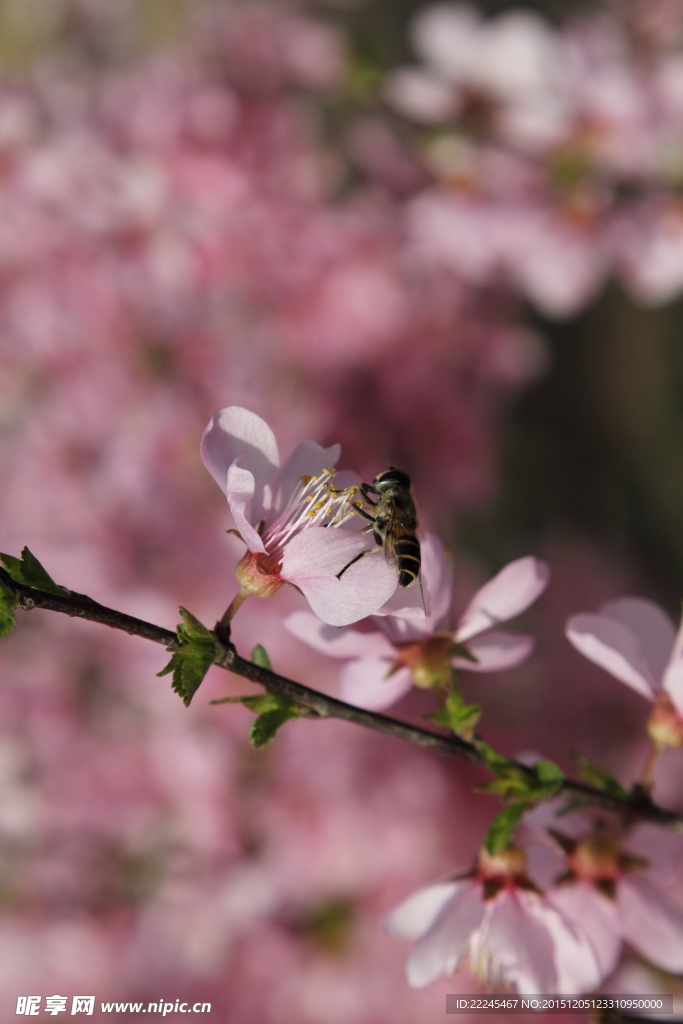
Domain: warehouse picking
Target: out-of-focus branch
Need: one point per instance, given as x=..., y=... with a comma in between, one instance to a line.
x=320, y=704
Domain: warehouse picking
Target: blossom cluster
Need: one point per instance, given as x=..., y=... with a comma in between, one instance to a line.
x=554, y=153
x=563, y=938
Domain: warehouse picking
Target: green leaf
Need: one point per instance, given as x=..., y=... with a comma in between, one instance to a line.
x=503, y=827
x=259, y=656
x=264, y=728
x=515, y=783
x=273, y=710
x=7, y=603
x=599, y=778
x=29, y=571
x=193, y=658
x=549, y=778
x=457, y=716
x=498, y=763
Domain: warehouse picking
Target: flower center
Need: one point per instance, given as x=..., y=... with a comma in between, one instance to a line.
x=429, y=660
x=314, y=502
x=598, y=859
x=503, y=870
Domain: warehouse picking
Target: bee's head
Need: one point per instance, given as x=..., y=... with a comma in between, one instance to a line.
x=391, y=478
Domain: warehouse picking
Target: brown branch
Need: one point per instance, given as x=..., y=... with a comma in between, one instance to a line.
x=320, y=704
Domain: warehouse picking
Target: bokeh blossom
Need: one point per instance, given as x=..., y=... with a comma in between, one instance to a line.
x=635, y=641
x=557, y=158
x=291, y=520
x=400, y=651
x=497, y=920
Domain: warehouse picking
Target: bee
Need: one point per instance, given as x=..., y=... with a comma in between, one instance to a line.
x=394, y=523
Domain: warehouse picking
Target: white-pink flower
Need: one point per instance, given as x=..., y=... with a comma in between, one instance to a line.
x=497, y=920
x=635, y=641
x=510, y=71
x=290, y=520
x=403, y=649
x=606, y=888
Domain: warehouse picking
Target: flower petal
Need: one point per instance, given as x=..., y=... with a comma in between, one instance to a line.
x=441, y=948
x=435, y=573
x=653, y=628
x=445, y=36
x=312, y=560
x=613, y=647
x=652, y=924
x=240, y=492
x=596, y=916
x=673, y=684
x=506, y=595
x=307, y=459
x=416, y=914
x=365, y=683
x=576, y=958
x=512, y=946
x=335, y=642
x=496, y=651
x=410, y=602
x=231, y=433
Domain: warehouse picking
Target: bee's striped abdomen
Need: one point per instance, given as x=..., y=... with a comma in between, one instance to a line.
x=407, y=560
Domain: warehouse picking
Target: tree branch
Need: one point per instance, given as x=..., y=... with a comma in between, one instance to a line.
x=320, y=704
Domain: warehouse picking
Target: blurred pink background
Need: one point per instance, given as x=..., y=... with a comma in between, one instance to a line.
x=265, y=205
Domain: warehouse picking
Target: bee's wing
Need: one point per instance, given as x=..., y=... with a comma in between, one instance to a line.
x=396, y=531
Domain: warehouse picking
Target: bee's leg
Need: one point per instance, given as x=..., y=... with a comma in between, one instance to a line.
x=368, y=487
x=361, y=511
x=368, y=551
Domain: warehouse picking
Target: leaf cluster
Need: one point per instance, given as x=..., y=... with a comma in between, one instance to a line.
x=27, y=571
x=519, y=787
x=196, y=653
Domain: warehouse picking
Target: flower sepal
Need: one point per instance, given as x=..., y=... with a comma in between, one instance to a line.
x=258, y=574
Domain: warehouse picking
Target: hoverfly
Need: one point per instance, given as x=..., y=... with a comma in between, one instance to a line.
x=394, y=523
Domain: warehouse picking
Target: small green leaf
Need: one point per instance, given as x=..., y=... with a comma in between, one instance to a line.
x=503, y=828
x=549, y=778
x=599, y=778
x=264, y=728
x=273, y=710
x=29, y=571
x=193, y=659
x=259, y=656
x=7, y=603
x=457, y=716
x=492, y=759
x=515, y=783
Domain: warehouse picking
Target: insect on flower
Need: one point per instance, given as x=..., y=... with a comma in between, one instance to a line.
x=393, y=519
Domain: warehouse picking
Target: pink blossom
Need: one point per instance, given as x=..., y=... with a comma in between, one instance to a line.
x=635, y=641
x=608, y=887
x=497, y=919
x=288, y=517
x=404, y=649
